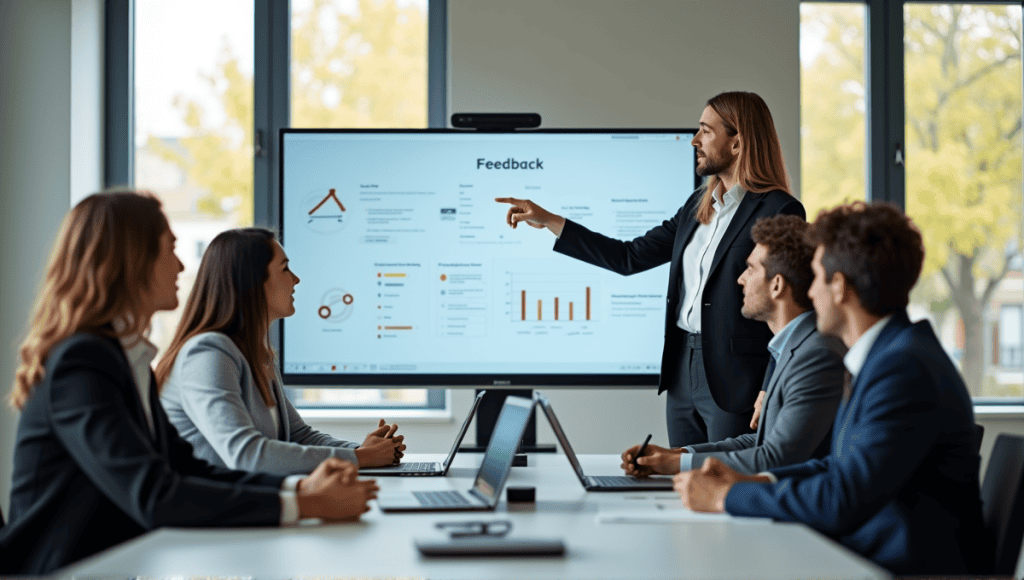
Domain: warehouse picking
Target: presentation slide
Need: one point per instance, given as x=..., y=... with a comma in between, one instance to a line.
x=407, y=265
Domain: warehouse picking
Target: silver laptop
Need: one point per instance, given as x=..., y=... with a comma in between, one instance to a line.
x=428, y=468
x=490, y=478
x=600, y=482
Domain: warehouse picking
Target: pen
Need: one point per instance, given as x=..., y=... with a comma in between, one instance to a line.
x=640, y=451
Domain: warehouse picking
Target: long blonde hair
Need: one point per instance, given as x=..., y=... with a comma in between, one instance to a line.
x=761, y=167
x=99, y=270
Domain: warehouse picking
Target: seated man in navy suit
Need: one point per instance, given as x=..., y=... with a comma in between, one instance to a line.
x=900, y=485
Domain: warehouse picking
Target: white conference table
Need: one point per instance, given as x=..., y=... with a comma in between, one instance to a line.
x=381, y=545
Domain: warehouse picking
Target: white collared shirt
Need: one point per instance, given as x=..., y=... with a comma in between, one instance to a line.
x=858, y=353
x=140, y=353
x=700, y=253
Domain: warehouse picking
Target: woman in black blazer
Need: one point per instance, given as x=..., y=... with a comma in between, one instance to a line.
x=714, y=360
x=96, y=462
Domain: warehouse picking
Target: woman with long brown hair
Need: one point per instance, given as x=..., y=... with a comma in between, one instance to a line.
x=714, y=360
x=220, y=385
x=96, y=461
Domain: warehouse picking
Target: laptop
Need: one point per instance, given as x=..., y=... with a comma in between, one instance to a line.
x=600, y=482
x=490, y=478
x=428, y=468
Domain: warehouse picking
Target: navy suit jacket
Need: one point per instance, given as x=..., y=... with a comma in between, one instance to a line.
x=88, y=473
x=901, y=484
x=735, y=349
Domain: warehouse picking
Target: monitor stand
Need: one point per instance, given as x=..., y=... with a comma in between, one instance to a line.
x=487, y=416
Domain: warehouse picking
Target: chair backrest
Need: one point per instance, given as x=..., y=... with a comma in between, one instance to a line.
x=1002, y=498
x=979, y=434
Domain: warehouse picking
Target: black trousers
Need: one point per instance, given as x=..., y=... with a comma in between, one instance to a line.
x=691, y=414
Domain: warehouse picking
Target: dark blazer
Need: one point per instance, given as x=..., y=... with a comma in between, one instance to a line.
x=88, y=474
x=901, y=484
x=735, y=349
x=799, y=407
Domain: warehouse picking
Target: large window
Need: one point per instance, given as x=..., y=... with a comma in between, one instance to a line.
x=933, y=123
x=194, y=124
x=832, y=104
x=962, y=71
x=352, y=63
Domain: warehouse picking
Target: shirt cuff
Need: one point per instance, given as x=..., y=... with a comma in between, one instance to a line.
x=686, y=460
x=289, y=499
x=771, y=476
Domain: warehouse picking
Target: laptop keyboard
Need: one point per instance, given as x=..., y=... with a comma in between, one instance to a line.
x=441, y=498
x=614, y=480
x=429, y=466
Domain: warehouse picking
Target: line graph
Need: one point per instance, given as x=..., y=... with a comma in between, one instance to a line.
x=325, y=214
x=329, y=196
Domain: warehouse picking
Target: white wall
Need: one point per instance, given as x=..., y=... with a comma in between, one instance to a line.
x=50, y=144
x=625, y=63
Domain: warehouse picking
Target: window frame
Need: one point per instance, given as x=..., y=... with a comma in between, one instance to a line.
x=886, y=125
x=271, y=112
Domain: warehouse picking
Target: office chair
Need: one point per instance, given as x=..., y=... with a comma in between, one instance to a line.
x=979, y=433
x=1002, y=501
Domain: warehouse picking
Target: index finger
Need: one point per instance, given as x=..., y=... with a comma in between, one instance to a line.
x=506, y=200
x=391, y=431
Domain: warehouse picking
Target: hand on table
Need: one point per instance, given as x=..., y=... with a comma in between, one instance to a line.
x=333, y=493
x=381, y=446
x=654, y=460
x=705, y=489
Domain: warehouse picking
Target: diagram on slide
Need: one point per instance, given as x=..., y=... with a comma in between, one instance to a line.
x=325, y=212
x=553, y=297
x=336, y=305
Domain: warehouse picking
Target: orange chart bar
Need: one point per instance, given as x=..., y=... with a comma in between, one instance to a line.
x=394, y=275
x=570, y=311
x=397, y=328
x=538, y=309
x=524, y=304
x=588, y=302
x=556, y=307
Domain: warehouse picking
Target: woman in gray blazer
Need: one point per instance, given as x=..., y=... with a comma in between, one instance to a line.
x=220, y=384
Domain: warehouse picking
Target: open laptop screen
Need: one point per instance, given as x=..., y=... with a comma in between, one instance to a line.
x=500, y=451
x=560, y=435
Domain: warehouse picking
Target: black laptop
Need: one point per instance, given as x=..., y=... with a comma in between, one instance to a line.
x=600, y=482
x=490, y=478
x=428, y=468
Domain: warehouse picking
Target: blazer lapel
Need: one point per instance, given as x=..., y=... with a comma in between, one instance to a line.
x=748, y=205
x=796, y=339
x=159, y=425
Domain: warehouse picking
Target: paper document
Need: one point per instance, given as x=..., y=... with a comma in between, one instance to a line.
x=654, y=512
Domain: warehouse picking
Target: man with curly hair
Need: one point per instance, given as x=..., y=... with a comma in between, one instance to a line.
x=901, y=484
x=804, y=384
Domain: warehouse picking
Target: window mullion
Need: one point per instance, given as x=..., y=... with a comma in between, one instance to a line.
x=886, y=142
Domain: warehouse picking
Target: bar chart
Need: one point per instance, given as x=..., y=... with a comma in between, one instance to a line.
x=567, y=298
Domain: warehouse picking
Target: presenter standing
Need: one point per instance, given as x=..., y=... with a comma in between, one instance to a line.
x=714, y=359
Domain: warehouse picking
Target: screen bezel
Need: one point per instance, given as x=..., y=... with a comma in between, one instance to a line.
x=442, y=380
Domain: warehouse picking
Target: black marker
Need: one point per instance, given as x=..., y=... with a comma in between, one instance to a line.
x=640, y=451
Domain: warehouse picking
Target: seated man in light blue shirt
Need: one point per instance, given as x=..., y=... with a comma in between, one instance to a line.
x=804, y=382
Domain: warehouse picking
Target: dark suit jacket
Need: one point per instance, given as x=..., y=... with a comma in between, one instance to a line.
x=901, y=484
x=88, y=474
x=735, y=349
x=799, y=407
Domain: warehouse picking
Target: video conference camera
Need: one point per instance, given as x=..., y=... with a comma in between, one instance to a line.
x=496, y=121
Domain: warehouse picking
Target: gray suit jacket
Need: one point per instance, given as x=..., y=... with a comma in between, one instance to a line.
x=799, y=407
x=212, y=400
